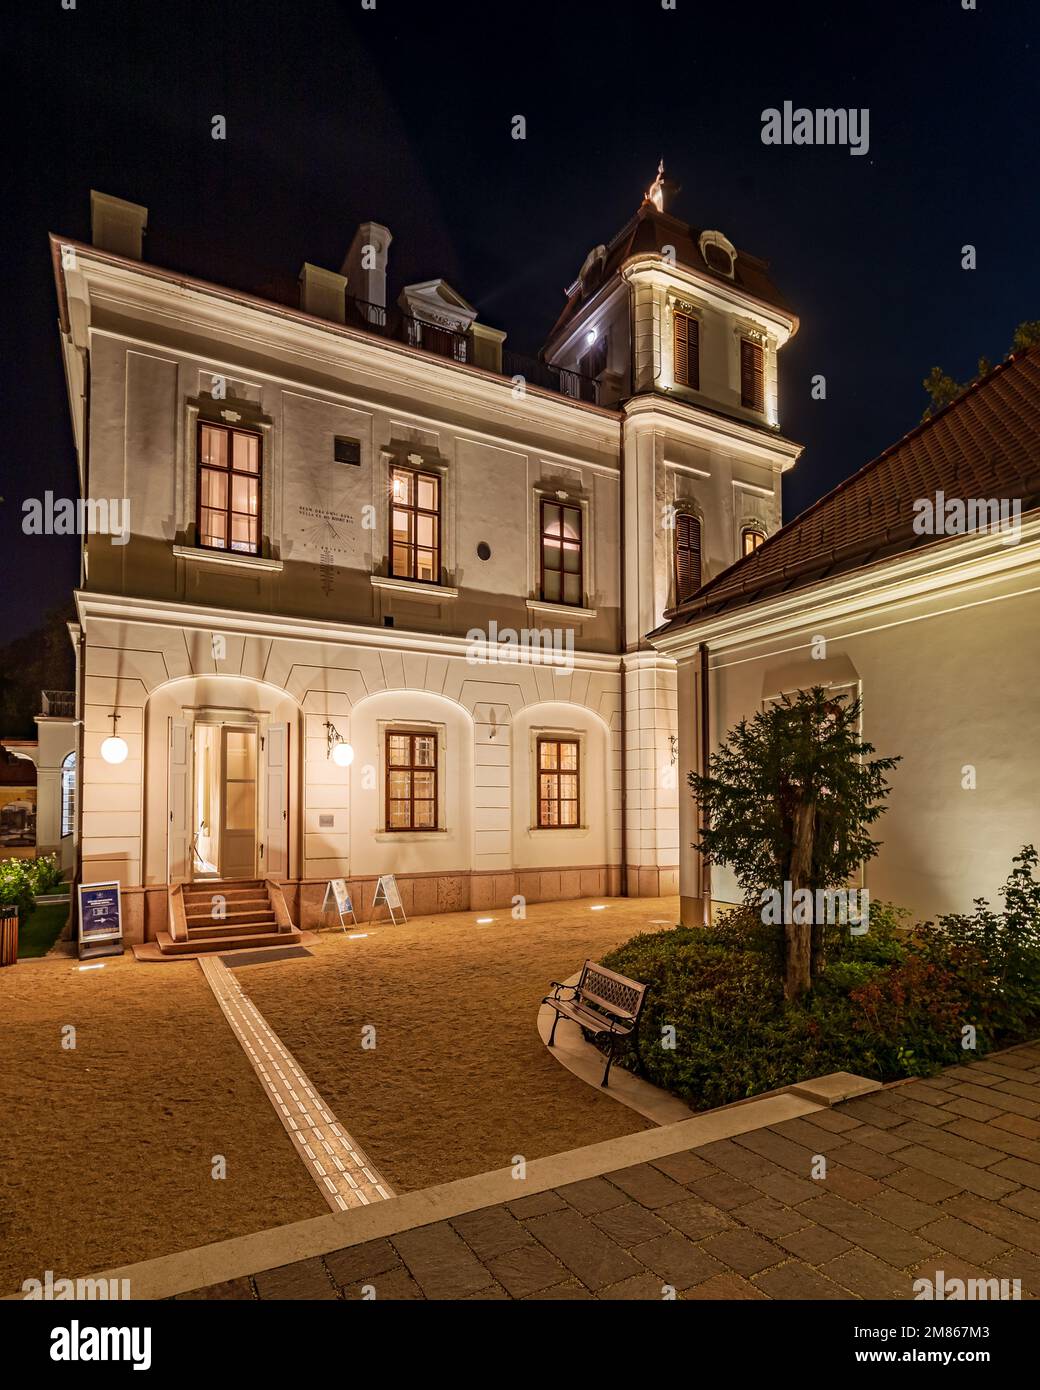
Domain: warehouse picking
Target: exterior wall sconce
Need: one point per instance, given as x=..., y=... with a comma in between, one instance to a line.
x=338, y=749
x=114, y=749
x=673, y=743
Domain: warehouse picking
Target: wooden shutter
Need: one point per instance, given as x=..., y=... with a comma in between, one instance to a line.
x=687, y=556
x=752, y=375
x=686, y=361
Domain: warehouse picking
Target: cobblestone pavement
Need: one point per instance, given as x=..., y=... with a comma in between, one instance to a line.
x=940, y=1174
x=345, y=1176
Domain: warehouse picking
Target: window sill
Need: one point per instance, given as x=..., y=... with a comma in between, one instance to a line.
x=437, y=592
x=559, y=610
x=232, y=558
x=407, y=836
x=577, y=832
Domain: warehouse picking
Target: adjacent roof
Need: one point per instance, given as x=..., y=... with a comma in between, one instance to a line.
x=648, y=233
x=985, y=444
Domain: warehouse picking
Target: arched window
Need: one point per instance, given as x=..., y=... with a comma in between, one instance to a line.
x=68, y=794
x=687, y=556
x=751, y=537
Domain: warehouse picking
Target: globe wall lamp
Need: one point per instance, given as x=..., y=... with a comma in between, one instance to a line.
x=338, y=749
x=114, y=749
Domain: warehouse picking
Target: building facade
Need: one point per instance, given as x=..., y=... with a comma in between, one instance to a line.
x=359, y=525
x=915, y=587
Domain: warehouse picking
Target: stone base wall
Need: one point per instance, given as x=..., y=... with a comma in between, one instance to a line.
x=145, y=911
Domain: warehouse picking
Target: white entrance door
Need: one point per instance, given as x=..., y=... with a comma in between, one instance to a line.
x=276, y=800
x=180, y=800
x=238, y=802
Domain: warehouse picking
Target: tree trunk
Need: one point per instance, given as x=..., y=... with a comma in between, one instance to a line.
x=800, y=935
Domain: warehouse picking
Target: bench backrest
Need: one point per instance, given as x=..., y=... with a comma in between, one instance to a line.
x=613, y=993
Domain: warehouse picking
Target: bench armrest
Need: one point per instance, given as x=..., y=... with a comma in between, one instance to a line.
x=556, y=986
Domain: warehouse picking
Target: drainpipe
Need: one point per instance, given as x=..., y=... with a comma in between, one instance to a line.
x=705, y=726
x=624, y=703
x=77, y=869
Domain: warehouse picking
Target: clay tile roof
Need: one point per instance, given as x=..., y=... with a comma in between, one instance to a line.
x=985, y=444
x=648, y=233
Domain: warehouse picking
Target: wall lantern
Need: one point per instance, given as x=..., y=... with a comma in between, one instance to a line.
x=114, y=749
x=590, y=336
x=339, y=750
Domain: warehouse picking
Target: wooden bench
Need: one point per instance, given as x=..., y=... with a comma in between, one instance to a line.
x=604, y=1003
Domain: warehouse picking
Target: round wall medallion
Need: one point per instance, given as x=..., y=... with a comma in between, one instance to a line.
x=484, y=550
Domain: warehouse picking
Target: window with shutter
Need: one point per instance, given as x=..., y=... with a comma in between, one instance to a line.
x=752, y=375
x=686, y=357
x=687, y=556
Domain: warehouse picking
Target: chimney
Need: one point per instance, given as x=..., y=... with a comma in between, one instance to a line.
x=323, y=293
x=365, y=264
x=116, y=225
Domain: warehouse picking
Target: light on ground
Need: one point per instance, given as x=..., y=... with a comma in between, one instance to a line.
x=598, y=907
x=114, y=750
x=483, y=921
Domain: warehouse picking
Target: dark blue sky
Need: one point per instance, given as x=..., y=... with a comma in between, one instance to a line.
x=402, y=115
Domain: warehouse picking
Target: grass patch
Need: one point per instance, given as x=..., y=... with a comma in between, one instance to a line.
x=38, y=935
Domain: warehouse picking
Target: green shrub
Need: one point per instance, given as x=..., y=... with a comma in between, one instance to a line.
x=21, y=880
x=888, y=1004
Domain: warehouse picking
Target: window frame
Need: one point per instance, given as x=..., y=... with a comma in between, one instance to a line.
x=559, y=740
x=230, y=472
x=576, y=507
x=411, y=733
x=746, y=531
x=690, y=517
x=757, y=399
x=692, y=381
x=68, y=795
x=415, y=511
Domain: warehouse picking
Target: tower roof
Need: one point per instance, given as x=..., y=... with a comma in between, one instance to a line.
x=648, y=233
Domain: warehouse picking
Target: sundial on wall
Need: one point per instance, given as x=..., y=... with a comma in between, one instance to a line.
x=327, y=525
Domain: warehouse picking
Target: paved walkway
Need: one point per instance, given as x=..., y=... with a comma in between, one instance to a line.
x=344, y=1175
x=942, y=1174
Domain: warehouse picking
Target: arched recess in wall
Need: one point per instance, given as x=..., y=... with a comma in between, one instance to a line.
x=174, y=714
x=548, y=738
x=411, y=748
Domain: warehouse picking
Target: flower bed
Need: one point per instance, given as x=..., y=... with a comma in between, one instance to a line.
x=904, y=999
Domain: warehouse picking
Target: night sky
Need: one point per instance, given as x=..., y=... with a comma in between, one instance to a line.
x=403, y=115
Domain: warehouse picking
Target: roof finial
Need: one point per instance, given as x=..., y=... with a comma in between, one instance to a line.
x=661, y=190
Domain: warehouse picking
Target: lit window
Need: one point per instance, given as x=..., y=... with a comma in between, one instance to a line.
x=415, y=525
x=687, y=556
x=558, y=774
x=750, y=539
x=229, y=489
x=68, y=795
x=411, y=780
x=561, y=553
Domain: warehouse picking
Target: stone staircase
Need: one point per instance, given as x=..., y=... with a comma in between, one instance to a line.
x=236, y=914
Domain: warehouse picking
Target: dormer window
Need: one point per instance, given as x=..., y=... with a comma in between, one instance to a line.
x=719, y=253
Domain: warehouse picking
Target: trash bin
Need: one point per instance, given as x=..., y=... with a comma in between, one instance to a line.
x=8, y=935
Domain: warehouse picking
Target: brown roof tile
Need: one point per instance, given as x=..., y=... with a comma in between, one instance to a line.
x=985, y=444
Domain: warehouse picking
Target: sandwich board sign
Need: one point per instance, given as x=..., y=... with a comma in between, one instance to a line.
x=100, y=920
x=337, y=894
x=388, y=895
